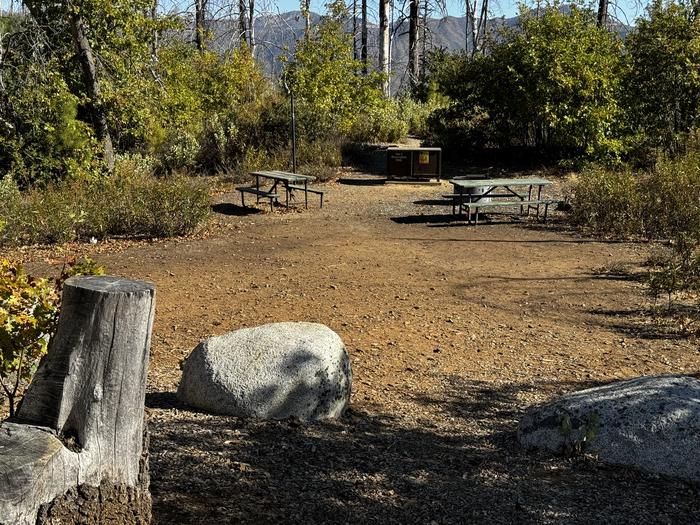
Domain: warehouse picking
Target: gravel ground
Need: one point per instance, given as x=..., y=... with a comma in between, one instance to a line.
x=453, y=331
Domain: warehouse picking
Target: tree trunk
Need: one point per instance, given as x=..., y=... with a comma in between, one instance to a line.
x=363, y=43
x=251, y=26
x=243, y=23
x=384, y=9
x=306, y=11
x=76, y=445
x=483, y=20
x=354, y=29
x=602, y=13
x=413, y=42
x=199, y=19
x=92, y=85
x=424, y=42
x=154, y=43
x=470, y=27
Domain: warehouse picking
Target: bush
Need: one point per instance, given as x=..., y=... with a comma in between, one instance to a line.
x=416, y=114
x=29, y=310
x=608, y=202
x=672, y=197
x=662, y=86
x=553, y=85
x=129, y=205
x=660, y=204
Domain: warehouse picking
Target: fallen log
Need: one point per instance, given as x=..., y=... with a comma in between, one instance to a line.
x=74, y=452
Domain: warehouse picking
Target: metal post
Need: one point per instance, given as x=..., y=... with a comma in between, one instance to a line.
x=294, y=133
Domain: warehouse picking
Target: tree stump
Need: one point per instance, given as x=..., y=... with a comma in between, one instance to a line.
x=75, y=451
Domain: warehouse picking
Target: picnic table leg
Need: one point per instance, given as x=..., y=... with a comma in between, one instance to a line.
x=286, y=194
x=306, y=195
x=539, y=196
x=257, y=187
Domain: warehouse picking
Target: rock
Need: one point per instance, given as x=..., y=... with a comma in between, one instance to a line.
x=651, y=423
x=273, y=371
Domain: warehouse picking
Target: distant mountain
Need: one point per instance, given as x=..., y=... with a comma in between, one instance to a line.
x=276, y=36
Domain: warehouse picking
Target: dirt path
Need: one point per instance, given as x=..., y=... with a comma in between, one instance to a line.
x=453, y=331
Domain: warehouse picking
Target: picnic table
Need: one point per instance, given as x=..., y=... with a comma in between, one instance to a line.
x=290, y=183
x=499, y=193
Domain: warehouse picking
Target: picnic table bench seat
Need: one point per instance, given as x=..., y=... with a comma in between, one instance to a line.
x=531, y=204
x=273, y=197
x=307, y=190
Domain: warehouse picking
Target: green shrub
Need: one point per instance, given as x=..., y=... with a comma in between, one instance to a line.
x=608, y=202
x=662, y=86
x=380, y=122
x=123, y=205
x=672, y=198
x=29, y=310
x=552, y=84
x=661, y=204
x=416, y=114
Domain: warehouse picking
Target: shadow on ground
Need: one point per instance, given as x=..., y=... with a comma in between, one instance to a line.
x=459, y=463
x=227, y=208
x=362, y=181
x=437, y=218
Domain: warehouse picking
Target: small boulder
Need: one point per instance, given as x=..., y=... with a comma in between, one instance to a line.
x=274, y=371
x=651, y=423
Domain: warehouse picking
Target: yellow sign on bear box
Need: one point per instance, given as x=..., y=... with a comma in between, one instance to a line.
x=424, y=158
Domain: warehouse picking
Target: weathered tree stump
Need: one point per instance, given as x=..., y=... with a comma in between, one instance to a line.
x=75, y=451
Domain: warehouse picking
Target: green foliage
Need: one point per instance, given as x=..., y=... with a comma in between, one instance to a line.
x=188, y=110
x=213, y=109
x=662, y=84
x=127, y=203
x=416, y=114
x=42, y=139
x=552, y=84
x=27, y=316
x=29, y=310
x=608, y=202
x=661, y=204
x=334, y=96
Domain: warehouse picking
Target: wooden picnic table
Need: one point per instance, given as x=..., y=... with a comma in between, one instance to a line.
x=291, y=182
x=504, y=190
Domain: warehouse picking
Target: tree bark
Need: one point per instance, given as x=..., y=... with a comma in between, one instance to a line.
x=602, y=13
x=413, y=42
x=306, y=11
x=199, y=21
x=354, y=29
x=92, y=84
x=77, y=441
x=363, y=42
x=251, y=26
x=384, y=9
x=243, y=23
x=481, y=32
x=471, y=27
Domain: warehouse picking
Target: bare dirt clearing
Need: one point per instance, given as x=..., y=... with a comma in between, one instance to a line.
x=452, y=330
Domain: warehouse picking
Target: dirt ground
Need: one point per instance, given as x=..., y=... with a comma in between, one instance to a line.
x=453, y=331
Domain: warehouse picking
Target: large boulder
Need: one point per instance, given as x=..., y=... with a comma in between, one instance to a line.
x=651, y=423
x=273, y=371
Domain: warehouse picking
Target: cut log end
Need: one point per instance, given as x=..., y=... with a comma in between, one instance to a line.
x=110, y=284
